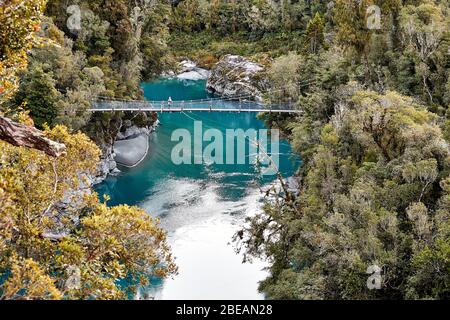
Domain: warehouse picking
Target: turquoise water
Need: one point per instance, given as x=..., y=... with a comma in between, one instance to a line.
x=201, y=206
x=162, y=89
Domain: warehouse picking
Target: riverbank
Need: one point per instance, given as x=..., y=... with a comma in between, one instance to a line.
x=232, y=75
x=131, y=146
x=200, y=206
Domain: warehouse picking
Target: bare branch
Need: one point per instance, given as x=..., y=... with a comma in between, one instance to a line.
x=24, y=136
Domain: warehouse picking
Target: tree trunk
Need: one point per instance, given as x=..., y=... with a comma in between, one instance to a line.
x=23, y=136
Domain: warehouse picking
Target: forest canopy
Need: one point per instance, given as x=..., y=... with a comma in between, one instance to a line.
x=57, y=240
x=371, y=77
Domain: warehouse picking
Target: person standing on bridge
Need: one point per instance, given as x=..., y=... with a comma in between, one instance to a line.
x=169, y=102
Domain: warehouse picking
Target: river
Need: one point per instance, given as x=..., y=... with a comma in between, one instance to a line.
x=201, y=206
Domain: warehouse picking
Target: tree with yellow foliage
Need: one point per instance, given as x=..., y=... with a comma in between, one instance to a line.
x=41, y=243
x=20, y=20
x=57, y=240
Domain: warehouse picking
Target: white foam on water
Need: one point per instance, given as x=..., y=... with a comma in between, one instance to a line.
x=209, y=267
x=200, y=234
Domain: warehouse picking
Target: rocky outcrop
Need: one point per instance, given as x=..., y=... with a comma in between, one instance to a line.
x=237, y=76
x=65, y=213
x=133, y=132
x=106, y=167
x=132, y=152
x=188, y=70
x=108, y=163
x=131, y=146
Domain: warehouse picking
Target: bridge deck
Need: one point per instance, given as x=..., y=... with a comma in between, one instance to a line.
x=193, y=109
x=188, y=106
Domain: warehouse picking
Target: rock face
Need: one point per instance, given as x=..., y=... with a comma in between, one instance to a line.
x=107, y=166
x=65, y=214
x=131, y=152
x=237, y=76
x=131, y=146
x=67, y=210
x=132, y=132
x=188, y=70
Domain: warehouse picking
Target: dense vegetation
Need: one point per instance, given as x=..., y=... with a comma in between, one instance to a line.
x=374, y=138
x=374, y=186
x=57, y=240
x=106, y=54
x=81, y=251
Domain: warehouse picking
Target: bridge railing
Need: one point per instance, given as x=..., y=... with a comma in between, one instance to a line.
x=192, y=105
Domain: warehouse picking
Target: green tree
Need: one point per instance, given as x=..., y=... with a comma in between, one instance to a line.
x=314, y=33
x=284, y=74
x=423, y=28
x=40, y=243
x=51, y=222
x=20, y=20
x=351, y=23
x=368, y=198
x=39, y=96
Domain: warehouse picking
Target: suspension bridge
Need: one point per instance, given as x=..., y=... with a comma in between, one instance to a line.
x=230, y=104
